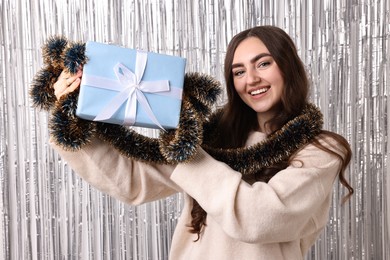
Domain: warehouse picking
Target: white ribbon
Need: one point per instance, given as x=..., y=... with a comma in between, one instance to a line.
x=132, y=90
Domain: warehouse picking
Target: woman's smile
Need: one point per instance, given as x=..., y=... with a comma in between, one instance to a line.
x=259, y=91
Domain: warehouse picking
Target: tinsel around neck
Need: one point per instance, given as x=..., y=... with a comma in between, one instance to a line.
x=277, y=147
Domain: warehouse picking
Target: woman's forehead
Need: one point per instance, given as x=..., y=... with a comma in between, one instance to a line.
x=249, y=49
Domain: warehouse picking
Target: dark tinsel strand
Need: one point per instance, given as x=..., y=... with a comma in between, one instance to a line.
x=68, y=130
x=74, y=57
x=277, y=147
x=52, y=51
x=41, y=91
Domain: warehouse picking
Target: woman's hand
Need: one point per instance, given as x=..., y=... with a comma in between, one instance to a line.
x=67, y=83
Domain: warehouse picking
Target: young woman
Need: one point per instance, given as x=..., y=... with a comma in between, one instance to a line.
x=276, y=212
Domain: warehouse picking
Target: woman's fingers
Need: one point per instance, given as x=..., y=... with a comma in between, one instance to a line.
x=75, y=84
x=66, y=83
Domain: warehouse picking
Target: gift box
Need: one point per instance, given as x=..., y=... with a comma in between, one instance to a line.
x=131, y=87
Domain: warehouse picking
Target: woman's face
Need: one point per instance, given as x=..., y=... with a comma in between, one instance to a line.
x=257, y=78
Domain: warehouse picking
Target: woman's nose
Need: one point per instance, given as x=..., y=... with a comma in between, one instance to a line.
x=253, y=77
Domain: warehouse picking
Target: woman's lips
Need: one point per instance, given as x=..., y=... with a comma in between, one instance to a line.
x=259, y=91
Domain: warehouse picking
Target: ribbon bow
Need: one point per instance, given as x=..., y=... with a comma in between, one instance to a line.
x=132, y=90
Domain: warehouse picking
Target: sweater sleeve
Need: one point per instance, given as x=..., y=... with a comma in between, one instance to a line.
x=293, y=204
x=127, y=180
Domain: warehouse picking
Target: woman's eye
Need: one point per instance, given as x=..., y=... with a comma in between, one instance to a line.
x=263, y=64
x=238, y=73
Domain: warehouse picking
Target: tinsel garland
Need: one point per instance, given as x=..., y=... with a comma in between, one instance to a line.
x=276, y=148
x=174, y=146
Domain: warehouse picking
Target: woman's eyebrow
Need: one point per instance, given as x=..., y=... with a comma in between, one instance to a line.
x=253, y=60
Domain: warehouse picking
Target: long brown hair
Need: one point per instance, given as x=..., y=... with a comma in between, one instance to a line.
x=238, y=119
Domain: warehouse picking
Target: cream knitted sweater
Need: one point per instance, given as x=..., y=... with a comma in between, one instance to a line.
x=280, y=219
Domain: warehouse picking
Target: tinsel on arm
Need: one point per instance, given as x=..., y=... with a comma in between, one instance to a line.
x=41, y=91
x=68, y=130
x=60, y=54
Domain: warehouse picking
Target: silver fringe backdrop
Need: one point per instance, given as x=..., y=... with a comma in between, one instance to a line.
x=47, y=212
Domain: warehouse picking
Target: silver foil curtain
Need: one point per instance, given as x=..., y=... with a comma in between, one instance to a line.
x=47, y=212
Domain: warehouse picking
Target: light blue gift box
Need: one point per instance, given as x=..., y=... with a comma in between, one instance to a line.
x=102, y=58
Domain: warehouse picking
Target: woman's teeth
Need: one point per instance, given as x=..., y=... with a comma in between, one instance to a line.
x=259, y=91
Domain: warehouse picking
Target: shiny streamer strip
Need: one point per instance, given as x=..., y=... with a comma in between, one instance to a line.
x=47, y=212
